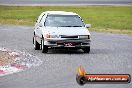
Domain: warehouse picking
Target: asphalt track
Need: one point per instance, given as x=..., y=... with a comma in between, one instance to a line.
x=64, y=2
x=110, y=53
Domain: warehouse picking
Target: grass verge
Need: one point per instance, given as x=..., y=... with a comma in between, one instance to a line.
x=103, y=18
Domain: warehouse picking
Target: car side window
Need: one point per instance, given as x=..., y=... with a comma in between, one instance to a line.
x=41, y=18
x=38, y=19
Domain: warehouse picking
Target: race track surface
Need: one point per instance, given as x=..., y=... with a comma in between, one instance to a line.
x=65, y=2
x=110, y=53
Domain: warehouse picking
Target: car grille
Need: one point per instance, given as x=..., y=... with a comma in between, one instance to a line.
x=65, y=36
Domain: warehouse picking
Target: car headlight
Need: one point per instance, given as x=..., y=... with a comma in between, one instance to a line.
x=51, y=36
x=54, y=36
x=84, y=36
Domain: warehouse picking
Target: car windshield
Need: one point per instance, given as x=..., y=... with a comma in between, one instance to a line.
x=63, y=21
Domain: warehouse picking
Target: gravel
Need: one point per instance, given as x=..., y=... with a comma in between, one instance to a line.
x=5, y=58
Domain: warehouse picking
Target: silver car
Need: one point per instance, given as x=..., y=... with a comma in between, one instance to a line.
x=59, y=29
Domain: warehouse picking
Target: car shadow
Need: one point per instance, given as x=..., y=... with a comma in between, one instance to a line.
x=65, y=51
x=80, y=51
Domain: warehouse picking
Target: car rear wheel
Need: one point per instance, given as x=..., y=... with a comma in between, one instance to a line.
x=86, y=50
x=36, y=44
x=44, y=47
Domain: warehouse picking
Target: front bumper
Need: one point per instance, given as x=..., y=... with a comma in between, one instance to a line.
x=65, y=43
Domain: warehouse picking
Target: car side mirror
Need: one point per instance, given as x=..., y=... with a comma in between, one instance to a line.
x=40, y=24
x=88, y=25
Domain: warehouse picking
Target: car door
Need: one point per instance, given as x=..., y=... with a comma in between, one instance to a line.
x=39, y=27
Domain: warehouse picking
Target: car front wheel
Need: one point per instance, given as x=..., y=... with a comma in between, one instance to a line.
x=44, y=47
x=36, y=44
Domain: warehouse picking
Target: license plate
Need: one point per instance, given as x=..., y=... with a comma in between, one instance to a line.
x=69, y=44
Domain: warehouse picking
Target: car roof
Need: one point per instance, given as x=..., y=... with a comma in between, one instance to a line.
x=60, y=13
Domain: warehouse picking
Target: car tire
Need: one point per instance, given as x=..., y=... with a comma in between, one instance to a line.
x=36, y=44
x=86, y=49
x=44, y=47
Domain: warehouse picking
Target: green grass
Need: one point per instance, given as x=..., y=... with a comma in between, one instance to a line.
x=101, y=17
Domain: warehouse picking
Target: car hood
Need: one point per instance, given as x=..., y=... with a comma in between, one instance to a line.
x=66, y=30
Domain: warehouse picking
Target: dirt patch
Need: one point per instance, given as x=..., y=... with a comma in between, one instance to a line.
x=6, y=58
x=12, y=61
